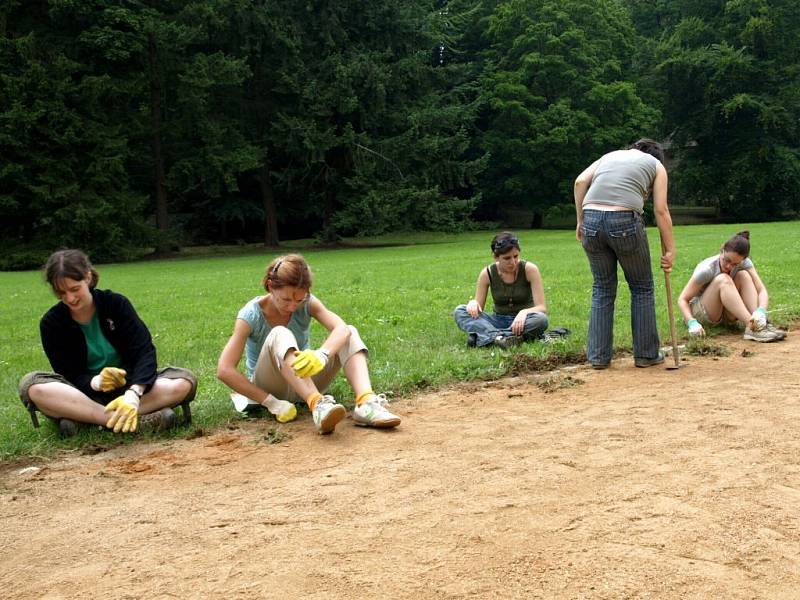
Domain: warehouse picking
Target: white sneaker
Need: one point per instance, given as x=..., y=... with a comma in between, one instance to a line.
x=763, y=335
x=327, y=414
x=373, y=413
x=780, y=333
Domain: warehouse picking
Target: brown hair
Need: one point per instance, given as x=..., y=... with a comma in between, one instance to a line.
x=648, y=146
x=503, y=242
x=290, y=270
x=740, y=243
x=69, y=263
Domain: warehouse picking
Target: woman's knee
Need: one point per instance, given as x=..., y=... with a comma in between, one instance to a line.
x=279, y=342
x=536, y=322
x=278, y=332
x=181, y=381
x=723, y=279
x=460, y=311
x=743, y=279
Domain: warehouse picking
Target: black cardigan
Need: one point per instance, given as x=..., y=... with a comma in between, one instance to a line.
x=65, y=344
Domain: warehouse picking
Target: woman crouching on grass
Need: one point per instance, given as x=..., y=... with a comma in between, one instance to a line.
x=273, y=333
x=726, y=287
x=103, y=357
x=520, y=312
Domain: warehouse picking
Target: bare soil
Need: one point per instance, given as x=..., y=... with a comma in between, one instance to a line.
x=624, y=483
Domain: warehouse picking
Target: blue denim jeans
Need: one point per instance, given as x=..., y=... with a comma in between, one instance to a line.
x=489, y=325
x=611, y=237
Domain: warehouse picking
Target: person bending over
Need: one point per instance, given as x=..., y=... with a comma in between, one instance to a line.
x=272, y=331
x=609, y=202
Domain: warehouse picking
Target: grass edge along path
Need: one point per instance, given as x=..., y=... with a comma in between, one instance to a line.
x=399, y=296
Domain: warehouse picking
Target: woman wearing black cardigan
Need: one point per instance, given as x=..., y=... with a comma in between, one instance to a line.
x=103, y=358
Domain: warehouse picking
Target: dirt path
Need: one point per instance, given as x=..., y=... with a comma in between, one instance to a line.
x=632, y=484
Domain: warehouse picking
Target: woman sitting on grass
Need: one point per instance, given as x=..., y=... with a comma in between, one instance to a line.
x=726, y=287
x=273, y=332
x=520, y=312
x=103, y=357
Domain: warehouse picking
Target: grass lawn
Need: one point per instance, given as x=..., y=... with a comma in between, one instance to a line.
x=400, y=298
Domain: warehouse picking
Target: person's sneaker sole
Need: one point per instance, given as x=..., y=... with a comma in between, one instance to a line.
x=763, y=340
x=385, y=424
x=600, y=366
x=331, y=420
x=780, y=334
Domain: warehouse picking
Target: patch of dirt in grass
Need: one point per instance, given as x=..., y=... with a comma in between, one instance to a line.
x=706, y=347
x=641, y=483
x=524, y=363
x=276, y=435
x=558, y=381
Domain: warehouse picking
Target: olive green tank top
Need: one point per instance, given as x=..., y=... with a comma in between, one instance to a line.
x=510, y=298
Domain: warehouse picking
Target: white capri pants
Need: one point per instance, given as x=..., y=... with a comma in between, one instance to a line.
x=268, y=377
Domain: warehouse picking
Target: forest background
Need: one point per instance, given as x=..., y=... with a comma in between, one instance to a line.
x=133, y=126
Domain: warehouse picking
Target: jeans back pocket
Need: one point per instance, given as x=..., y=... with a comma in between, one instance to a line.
x=625, y=238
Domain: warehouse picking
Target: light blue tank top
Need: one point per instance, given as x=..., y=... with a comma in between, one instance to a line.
x=299, y=324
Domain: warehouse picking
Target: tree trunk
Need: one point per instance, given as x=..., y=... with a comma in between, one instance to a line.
x=270, y=212
x=159, y=192
x=329, y=234
x=538, y=220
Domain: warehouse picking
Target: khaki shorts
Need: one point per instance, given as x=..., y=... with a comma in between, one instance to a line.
x=38, y=377
x=699, y=312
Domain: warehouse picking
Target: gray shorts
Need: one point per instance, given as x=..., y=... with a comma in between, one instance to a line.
x=699, y=312
x=37, y=377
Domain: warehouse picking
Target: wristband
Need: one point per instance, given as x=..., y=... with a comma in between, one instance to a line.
x=763, y=311
x=692, y=322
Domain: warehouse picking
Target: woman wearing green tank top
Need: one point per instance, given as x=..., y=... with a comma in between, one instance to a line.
x=520, y=312
x=103, y=359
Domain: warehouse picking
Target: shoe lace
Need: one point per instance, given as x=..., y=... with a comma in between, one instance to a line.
x=379, y=400
x=326, y=399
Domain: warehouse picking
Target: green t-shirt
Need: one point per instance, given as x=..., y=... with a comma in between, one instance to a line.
x=100, y=352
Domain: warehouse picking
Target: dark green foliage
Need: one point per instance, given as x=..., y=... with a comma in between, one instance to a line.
x=732, y=76
x=63, y=167
x=127, y=125
x=559, y=92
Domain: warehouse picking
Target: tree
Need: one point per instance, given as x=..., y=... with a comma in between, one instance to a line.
x=63, y=175
x=734, y=77
x=559, y=92
x=374, y=135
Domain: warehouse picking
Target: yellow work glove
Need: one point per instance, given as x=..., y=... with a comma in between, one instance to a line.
x=110, y=378
x=309, y=362
x=126, y=412
x=282, y=410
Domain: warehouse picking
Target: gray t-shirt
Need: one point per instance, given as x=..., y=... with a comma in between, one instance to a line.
x=708, y=268
x=623, y=178
x=299, y=324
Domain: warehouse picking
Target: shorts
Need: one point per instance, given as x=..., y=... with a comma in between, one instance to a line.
x=37, y=377
x=699, y=312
